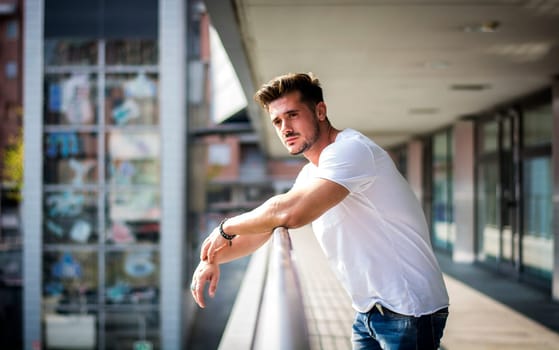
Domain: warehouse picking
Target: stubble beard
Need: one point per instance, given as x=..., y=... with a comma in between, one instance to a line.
x=309, y=142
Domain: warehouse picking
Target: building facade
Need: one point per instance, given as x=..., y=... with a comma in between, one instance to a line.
x=104, y=85
x=487, y=187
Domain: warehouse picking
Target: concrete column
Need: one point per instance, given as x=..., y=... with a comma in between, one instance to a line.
x=415, y=167
x=33, y=168
x=172, y=109
x=555, y=165
x=464, y=192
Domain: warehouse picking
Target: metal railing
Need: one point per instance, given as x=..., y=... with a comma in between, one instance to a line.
x=269, y=308
x=282, y=323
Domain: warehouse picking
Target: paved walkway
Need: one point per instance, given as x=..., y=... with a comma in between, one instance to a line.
x=476, y=321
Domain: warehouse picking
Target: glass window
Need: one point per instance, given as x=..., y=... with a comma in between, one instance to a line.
x=76, y=330
x=488, y=211
x=133, y=216
x=70, y=99
x=133, y=158
x=132, y=277
x=537, y=240
x=10, y=70
x=12, y=29
x=102, y=209
x=442, y=206
x=124, y=329
x=131, y=52
x=70, y=217
x=219, y=154
x=489, y=137
x=216, y=193
x=538, y=126
x=506, y=138
x=70, y=52
x=131, y=99
x=70, y=278
x=70, y=158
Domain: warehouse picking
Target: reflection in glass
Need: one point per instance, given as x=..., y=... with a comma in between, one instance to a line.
x=133, y=216
x=131, y=99
x=487, y=210
x=132, y=277
x=70, y=217
x=70, y=330
x=131, y=52
x=70, y=278
x=537, y=240
x=133, y=158
x=70, y=158
x=442, y=213
x=489, y=137
x=70, y=99
x=506, y=138
x=124, y=328
x=538, y=126
x=70, y=52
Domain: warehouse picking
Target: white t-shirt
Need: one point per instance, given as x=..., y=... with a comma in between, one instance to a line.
x=376, y=239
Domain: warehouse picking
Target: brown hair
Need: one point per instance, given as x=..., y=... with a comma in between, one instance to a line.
x=307, y=84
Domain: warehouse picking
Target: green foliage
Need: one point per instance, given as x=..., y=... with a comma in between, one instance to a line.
x=13, y=167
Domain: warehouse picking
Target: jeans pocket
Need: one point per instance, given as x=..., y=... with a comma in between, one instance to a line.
x=438, y=322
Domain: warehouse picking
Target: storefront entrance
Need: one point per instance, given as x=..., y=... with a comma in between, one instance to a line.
x=497, y=193
x=513, y=199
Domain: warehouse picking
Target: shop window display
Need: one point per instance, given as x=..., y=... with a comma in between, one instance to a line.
x=70, y=52
x=123, y=329
x=101, y=177
x=70, y=158
x=69, y=290
x=131, y=52
x=70, y=217
x=131, y=99
x=132, y=158
x=132, y=277
x=70, y=279
x=133, y=216
x=70, y=99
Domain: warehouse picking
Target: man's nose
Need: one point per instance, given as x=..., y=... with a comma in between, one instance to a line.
x=285, y=127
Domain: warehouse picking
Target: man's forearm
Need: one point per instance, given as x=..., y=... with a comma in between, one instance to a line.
x=295, y=208
x=264, y=218
x=241, y=246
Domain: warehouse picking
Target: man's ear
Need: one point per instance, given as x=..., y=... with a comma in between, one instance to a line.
x=321, y=111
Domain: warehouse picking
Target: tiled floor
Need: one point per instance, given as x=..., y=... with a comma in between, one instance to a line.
x=476, y=321
x=327, y=306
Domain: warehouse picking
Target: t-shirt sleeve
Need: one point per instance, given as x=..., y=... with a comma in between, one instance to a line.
x=349, y=163
x=302, y=177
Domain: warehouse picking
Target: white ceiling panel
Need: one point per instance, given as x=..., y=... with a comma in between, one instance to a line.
x=397, y=69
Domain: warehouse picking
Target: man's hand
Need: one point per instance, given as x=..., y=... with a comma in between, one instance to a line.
x=212, y=244
x=205, y=272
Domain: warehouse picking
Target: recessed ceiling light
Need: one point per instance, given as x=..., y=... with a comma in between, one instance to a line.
x=470, y=87
x=523, y=52
x=484, y=27
x=423, y=110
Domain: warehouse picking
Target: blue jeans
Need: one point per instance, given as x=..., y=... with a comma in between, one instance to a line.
x=393, y=331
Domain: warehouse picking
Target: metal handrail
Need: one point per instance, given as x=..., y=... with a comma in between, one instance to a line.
x=282, y=324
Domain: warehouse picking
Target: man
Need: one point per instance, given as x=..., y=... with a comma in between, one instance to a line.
x=363, y=213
